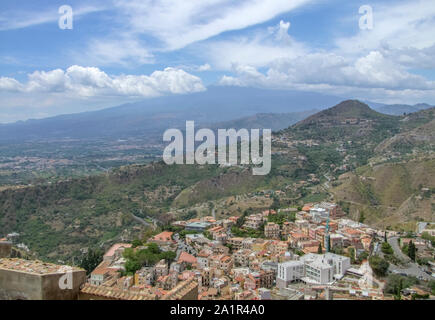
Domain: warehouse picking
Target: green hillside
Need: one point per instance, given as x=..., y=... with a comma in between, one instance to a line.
x=342, y=152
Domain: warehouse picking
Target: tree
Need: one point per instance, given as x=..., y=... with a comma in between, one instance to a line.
x=385, y=236
x=411, y=250
x=395, y=283
x=275, y=204
x=168, y=255
x=432, y=286
x=351, y=254
x=153, y=248
x=136, y=243
x=91, y=260
x=379, y=265
x=320, y=250
x=386, y=248
x=131, y=266
x=363, y=256
x=362, y=217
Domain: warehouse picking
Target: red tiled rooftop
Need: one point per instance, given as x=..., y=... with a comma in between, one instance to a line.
x=115, y=247
x=163, y=236
x=186, y=257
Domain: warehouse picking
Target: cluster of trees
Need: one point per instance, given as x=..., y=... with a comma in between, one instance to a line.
x=379, y=265
x=189, y=215
x=386, y=248
x=396, y=283
x=245, y=233
x=91, y=260
x=152, y=254
x=427, y=236
x=280, y=218
x=410, y=250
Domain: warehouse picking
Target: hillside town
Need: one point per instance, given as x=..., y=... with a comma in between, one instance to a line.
x=307, y=253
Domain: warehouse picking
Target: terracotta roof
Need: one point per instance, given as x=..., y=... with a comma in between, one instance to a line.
x=311, y=249
x=306, y=208
x=115, y=247
x=164, y=236
x=118, y=294
x=186, y=257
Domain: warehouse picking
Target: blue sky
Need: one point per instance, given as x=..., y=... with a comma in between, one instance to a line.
x=121, y=51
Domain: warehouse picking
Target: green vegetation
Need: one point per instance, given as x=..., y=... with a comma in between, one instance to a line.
x=379, y=265
x=149, y=256
x=91, y=260
x=410, y=250
x=362, y=256
x=351, y=254
x=386, y=248
x=425, y=235
x=396, y=283
x=319, y=249
x=252, y=233
x=281, y=217
x=432, y=286
x=58, y=219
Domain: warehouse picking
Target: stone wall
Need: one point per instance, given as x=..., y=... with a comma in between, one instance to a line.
x=5, y=249
x=19, y=286
x=15, y=285
x=51, y=290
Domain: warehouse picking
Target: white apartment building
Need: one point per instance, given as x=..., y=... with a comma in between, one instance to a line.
x=319, y=214
x=288, y=272
x=323, y=268
x=314, y=268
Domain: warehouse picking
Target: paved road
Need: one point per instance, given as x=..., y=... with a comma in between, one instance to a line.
x=412, y=268
x=142, y=221
x=394, y=243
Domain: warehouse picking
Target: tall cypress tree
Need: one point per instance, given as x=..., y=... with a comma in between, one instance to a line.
x=411, y=250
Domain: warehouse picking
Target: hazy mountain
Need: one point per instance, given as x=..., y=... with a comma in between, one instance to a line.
x=152, y=116
x=345, y=111
x=399, y=109
x=274, y=121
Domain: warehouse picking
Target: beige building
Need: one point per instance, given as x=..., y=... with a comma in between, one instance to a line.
x=254, y=221
x=272, y=230
x=35, y=280
x=242, y=257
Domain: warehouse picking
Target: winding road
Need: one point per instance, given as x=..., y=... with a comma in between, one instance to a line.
x=412, y=268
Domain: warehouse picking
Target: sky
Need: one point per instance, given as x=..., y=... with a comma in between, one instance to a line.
x=109, y=52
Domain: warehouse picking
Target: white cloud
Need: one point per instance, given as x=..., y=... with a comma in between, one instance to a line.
x=91, y=82
x=402, y=25
x=204, y=67
x=257, y=50
x=180, y=23
x=374, y=63
x=9, y=84
x=115, y=51
x=372, y=75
